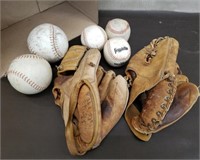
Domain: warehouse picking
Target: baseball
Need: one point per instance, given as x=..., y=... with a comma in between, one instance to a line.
x=118, y=28
x=48, y=41
x=29, y=74
x=94, y=37
x=117, y=51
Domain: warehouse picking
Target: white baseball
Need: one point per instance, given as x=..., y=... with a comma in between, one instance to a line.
x=29, y=74
x=118, y=28
x=117, y=51
x=94, y=37
x=48, y=41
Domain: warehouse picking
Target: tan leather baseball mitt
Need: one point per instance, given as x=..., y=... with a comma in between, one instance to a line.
x=164, y=104
x=153, y=72
x=89, y=98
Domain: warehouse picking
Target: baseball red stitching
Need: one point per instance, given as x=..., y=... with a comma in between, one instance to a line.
x=31, y=49
x=26, y=79
x=29, y=56
x=53, y=41
x=117, y=32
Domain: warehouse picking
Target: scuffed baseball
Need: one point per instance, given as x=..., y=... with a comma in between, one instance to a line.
x=117, y=51
x=93, y=37
x=118, y=28
x=48, y=41
x=29, y=74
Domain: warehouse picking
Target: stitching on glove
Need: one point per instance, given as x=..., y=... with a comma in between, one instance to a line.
x=152, y=51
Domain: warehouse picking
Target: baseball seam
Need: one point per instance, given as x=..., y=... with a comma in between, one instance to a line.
x=29, y=56
x=26, y=79
x=53, y=41
x=115, y=58
x=117, y=32
x=31, y=49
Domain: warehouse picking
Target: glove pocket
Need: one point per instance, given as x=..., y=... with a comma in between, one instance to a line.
x=185, y=97
x=83, y=128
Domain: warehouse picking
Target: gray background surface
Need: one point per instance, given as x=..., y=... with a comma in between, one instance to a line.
x=148, y=5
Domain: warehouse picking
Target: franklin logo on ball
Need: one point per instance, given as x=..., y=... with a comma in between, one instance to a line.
x=120, y=49
x=117, y=51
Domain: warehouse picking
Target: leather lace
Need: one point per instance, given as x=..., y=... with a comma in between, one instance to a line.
x=151, y=50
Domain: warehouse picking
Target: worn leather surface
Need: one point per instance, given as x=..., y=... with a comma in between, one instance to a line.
x=146, y=69
x=186, y=96
x=32, y=126
x=164, y=105
x=92, y=100
x=150, y=71
x=156, y=106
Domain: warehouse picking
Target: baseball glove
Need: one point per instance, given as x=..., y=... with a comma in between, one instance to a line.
x=154, y=74
x=164, y=104
x=89, y=98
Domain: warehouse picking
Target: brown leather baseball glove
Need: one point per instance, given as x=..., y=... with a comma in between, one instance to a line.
x=89, y=98
x=167, y=95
